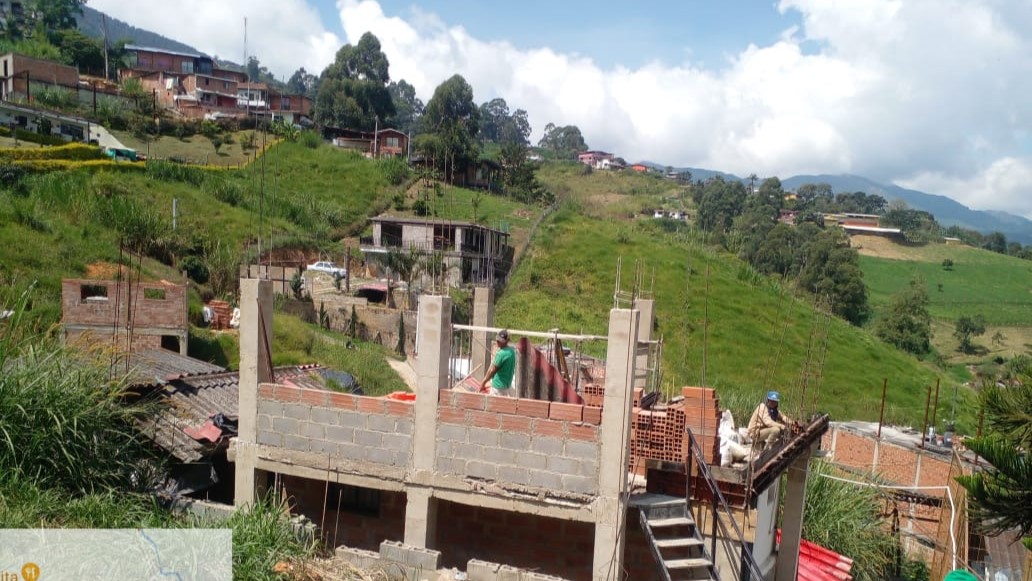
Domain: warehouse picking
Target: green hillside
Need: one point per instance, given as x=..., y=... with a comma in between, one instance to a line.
x=756, y=338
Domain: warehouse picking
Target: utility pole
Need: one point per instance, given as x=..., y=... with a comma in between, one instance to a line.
x=175, y=212
x=107, y=69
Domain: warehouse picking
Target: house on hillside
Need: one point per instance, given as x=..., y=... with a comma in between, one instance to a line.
x=262, y=100
x=31, y=119
x=594, y=158
x=640, y=168
x=386, y=142
x=22, y=75
x=471, y=253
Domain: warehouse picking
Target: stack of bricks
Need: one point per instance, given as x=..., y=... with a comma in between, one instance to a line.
x=221, y=314
x=701, y=408
x=593, y=394
x=656, y=434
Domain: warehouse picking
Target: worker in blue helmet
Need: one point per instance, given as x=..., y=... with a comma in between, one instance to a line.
x=767, y=422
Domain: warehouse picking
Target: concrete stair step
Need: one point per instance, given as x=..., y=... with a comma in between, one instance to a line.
x=679, y=543
x=693, y=563
x=672, y=522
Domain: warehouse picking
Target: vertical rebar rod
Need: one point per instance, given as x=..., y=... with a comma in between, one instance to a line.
x=881, y=415
x=924, y=428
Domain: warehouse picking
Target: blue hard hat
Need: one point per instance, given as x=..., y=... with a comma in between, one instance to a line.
x=773, y=396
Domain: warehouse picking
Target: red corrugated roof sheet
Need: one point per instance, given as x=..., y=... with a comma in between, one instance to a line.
x=819, y=564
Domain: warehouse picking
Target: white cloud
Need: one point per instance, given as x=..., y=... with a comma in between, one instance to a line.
x=283, y=34
x=932, y=93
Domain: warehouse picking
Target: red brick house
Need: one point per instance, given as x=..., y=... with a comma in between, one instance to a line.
x=19, y=70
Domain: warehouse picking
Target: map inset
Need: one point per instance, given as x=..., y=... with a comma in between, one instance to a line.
x=137, y=554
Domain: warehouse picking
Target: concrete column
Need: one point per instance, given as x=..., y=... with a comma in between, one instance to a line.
x=792, y=517
x=647, y=308
x=483, y=316
x=611, y=506
x=255, y=337
x=435, y=334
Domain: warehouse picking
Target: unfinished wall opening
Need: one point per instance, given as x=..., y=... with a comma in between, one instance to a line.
x=170, y=343
x=390, y=234
x=549, y=545
x=355, y=516
x=93, y=293
x=154, y=294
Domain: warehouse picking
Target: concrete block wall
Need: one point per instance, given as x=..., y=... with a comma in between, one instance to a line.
x=346, y=527
x=532, y=443
x=397, y=560
x=339, y=425
x=546, y=546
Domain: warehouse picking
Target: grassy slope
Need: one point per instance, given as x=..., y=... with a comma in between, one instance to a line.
x=196, y=148
x=567, y=281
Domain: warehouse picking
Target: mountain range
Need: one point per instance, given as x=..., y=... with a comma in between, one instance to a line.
x=947, y=211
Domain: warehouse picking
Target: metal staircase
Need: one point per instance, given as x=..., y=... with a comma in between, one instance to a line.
x=675, y=540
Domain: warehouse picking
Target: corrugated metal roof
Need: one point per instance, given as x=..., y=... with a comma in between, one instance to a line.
x=189, y=402
x=158, y=366
x=1006, y=554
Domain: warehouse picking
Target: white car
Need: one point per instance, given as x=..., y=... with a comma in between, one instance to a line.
x=329, y=268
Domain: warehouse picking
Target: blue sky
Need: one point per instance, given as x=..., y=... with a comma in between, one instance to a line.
x=703, y=32
x=928, y=94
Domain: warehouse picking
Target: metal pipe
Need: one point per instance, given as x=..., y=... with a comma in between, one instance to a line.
x=935, y=406
x=536, y=334
x=881, y=416
x=924, y=427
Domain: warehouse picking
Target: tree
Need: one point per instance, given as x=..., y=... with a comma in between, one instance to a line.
x=408, y=108
x=56, y=15
x=808, y=194
x=499, y=126
x=966, y=328
x=256, y=72
x=947, y=264
x=452, y=115
x=303, y=83
x=564, y=142
x=1001, y=496
x=81, y=51
x=908, y=325
x=996, y=242
x=719, y=202
x=353, y=88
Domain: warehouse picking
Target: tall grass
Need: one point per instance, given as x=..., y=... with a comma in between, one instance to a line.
x=263, y=537
x=846, y=518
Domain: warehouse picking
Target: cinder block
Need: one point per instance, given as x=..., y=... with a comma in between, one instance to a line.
x=513, y=474
x=563, y=465
x=482, y=470
x=380, y=456
x=547, y=445
x=483, y=436
x=582, y=450
x=353, y=419
x=351, y=451
x=589, y=468
x=325, y=416
x=367, y=438
x=286, y=426
x=270, y=408
x=360, y=558
x=397, y=442
x=312, y=430
x=581, y=484
x=451, y=432
x=545, y=479
x=264, y=422
x=267, y=438
x=323, y=447
x=498, y=455
x=477, y=570
x=404, y=426
x=298, y=411
x=340, y=434
x=528, y=460
x=519, y=442
x=451, y=466
x=381, y=423
x=425, y=559
x=296, y=443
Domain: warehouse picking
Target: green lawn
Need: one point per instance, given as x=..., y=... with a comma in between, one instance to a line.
x=996, y=286
x=197, y=149
x=567, y=281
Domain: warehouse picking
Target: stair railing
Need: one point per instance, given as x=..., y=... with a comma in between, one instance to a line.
x=720, y=506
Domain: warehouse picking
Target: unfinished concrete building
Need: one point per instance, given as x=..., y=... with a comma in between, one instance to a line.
x=508, y=488
x=131, y=316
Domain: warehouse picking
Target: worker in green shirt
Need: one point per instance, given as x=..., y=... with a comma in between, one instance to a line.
x=502, y=368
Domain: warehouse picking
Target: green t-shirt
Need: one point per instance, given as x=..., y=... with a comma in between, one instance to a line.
x=505, y=363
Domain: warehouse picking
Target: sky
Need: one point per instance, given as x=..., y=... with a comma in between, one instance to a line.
x=934, y=95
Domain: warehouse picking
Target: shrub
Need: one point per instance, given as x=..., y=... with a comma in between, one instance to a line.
x=68, y=151
x=311, y=139
x=194, y=268
x=394, y=169
x=47, y=165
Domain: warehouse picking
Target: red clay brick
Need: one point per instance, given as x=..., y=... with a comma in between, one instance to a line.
x=566, y=411
x=344, y=401
x=532, y=408
x=371, y=405
x=549, y=428
x=450, y=415
x=584, y=432
x=266, y=391
x=698, y=392
x=592, y=415
x=399, y=408
x=484, y=419
x=638, y=391
x=287, y=394
x=313, y=396
x=520, y=424
x=502, y=405
x=470, y=401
